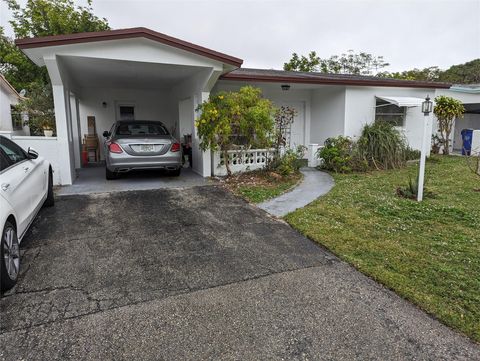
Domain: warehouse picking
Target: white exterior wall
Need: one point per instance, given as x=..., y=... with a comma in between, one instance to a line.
x=360, y=110
x=328, y=113
x=149, y=105
x=7, y=98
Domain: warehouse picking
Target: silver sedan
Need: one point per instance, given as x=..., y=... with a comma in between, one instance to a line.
x=140, y=144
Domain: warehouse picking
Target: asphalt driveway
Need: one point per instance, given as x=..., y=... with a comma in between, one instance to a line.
x=199, y=274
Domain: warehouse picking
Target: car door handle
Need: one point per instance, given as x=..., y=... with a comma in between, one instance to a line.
x=26, y=169
x=5, y=186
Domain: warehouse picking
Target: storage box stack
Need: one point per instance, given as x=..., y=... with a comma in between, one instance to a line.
x=90, y=141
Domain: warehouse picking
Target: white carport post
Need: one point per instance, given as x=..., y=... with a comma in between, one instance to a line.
x=204, y=167
x=62, y=104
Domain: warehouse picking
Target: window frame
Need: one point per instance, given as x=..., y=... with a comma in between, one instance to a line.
x=13, y=115
x=379, y=116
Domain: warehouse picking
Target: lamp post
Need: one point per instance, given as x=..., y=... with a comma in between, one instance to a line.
x=427, y=106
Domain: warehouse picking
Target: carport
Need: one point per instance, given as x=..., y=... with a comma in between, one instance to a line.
x=115, y=74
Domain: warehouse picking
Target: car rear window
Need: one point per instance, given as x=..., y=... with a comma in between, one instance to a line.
x=134, y=129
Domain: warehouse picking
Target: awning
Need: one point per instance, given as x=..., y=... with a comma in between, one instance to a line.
x=404, y=101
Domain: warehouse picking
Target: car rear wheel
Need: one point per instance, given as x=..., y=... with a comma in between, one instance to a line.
x=10, y=257
x=50, y=201
x=110, y=175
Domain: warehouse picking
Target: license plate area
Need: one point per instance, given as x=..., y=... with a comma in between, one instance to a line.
x=147, y=148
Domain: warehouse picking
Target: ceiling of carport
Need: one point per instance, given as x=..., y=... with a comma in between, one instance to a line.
x=107, y=73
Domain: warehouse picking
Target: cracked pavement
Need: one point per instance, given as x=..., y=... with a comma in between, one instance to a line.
x=199, y=274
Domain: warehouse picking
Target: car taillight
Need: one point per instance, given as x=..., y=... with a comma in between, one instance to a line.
x=114, y=148
x=175, y=147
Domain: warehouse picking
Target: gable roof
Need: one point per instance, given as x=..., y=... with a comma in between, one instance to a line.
x=55, y=40
x=9, y=87
x=282, y=76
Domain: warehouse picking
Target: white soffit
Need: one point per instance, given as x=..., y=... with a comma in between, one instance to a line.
x=403, y=101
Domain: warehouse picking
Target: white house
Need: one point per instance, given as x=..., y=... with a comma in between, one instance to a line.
x=11, y=121
x=144, y=74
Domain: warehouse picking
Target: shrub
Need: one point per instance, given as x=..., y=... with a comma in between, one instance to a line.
x=411, y=190
x=382, y=146
x=340, y=155
x=411, y=154
x=336, y=154
x=290, y=162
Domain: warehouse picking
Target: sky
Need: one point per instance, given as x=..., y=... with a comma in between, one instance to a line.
x=264, y=33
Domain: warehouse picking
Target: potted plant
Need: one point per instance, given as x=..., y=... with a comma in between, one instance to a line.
x=47, y=126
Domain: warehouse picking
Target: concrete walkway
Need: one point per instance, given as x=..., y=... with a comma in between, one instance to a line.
x=314, y=185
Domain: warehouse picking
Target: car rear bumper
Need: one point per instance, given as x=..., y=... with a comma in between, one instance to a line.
x=125, y=163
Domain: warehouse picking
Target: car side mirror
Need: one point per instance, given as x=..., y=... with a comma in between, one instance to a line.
x=32, y=153
x=106, y=134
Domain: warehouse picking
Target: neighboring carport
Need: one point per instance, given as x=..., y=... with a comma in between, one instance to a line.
x=149, y=75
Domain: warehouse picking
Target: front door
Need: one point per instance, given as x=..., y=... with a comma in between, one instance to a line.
x=297, y=130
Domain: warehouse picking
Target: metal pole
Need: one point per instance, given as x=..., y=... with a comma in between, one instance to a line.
x=423, y=156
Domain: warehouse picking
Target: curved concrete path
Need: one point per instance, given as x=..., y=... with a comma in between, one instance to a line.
x=314, y=184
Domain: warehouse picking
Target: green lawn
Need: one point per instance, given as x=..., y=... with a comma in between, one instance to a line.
x=427, y=252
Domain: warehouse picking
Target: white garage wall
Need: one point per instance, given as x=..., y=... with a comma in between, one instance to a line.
x=149, y=105
x=360, y=110
x=47, y=147
x=328, y=113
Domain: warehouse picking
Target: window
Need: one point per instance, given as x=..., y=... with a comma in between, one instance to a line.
x=140, y=129
x=126, y=112
x=17, y=122
x=390, y=113
x=14, y=153
x=4, y=163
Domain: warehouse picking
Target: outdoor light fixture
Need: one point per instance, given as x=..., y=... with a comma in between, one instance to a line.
x=427, y=106
x=285, y=87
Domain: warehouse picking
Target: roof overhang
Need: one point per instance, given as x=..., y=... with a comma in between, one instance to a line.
x=403, y=101
x=279, y=76
x=78, y=38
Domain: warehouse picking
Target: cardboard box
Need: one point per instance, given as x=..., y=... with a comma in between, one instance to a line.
x=92, y=130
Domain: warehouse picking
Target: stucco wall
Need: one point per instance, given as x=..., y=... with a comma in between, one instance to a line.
x=328, y=113
x=149, y=105
x=360, y=110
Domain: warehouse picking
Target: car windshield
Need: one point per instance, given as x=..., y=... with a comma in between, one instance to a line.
x=134, y=129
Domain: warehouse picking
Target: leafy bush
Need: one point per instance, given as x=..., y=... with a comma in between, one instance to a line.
x=336, y=154
x=340, y=155
x=411, y=154
x=382, y=146
x=290, y=162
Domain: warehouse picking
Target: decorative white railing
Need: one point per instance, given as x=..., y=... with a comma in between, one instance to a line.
x=241, y=160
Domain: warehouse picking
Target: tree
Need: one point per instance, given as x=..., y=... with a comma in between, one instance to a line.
x=427, y=74
x=41, y=18
x=347, y=63
x=235, y=118
x=468, y=73
x=446, y=110
x=303, y=63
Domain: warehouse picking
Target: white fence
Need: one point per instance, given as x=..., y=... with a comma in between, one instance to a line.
x=47, y=147
x=241, y=160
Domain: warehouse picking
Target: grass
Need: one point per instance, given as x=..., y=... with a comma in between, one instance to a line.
x=427, y=252
x=259, y=186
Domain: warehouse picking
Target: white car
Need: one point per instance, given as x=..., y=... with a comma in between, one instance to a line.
x=25, y=186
